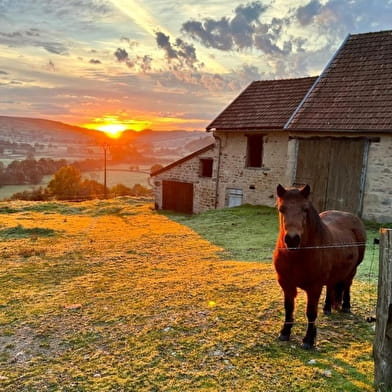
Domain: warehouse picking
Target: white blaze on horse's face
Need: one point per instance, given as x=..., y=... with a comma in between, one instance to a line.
x=293, y=207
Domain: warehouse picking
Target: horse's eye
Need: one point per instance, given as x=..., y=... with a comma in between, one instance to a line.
x=305, y=209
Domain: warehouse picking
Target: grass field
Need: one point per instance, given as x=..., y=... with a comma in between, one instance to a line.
x=114, y=296
x=249, y=233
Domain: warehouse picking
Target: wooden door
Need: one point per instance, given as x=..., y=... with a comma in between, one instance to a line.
x=334, y=168
x=177, y=196
x=312, y=168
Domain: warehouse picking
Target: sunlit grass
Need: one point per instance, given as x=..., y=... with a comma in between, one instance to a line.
x=249, y=233
x=123, y=298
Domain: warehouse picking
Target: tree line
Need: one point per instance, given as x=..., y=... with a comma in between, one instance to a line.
x=32, y=171
x=68, y=184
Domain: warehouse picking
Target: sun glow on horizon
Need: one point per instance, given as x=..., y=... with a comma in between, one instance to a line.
x=112, y=130
x=113, y=126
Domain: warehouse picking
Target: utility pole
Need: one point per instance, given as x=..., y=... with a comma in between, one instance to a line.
x=105, y=147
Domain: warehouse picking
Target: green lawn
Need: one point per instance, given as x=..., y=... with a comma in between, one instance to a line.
x=248, y=233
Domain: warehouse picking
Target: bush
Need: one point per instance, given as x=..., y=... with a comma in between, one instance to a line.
x=120, y=190
x=38, y=194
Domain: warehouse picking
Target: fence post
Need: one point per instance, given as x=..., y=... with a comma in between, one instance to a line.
x=382, y=347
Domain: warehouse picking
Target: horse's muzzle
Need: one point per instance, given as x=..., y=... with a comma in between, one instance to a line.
x=292, y=240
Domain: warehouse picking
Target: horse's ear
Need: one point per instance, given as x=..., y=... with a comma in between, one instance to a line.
x=280, y=190
x=305, y=191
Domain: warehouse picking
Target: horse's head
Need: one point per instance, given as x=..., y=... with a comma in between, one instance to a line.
x=293, y=206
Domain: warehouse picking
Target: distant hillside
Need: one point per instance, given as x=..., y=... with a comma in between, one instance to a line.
x=59, y=140
x=24, y=130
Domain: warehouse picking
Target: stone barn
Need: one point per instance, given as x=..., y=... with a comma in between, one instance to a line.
x=333, y=132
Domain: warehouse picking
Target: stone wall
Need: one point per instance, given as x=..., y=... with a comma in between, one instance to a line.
x=258, y=185
x=188, y=170
x=377, y=201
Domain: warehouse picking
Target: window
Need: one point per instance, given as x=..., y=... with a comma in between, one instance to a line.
x=206, y=167
x=254, y=156
x=233, y=197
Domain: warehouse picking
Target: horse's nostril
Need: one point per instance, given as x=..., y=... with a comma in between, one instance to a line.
x=292, y=241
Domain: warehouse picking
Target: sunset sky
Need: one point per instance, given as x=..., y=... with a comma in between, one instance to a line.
x=163, y=64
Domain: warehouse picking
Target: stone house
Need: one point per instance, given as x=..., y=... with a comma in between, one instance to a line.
x=333, y=132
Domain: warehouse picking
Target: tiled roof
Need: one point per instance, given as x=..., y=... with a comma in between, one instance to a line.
x=263, y=105
x=355, y=91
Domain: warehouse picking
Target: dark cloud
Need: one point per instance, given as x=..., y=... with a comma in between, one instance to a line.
x=225, y=33
x=95, y=61
x=248, y=73
x=306, y=14
x=53, y=47
x=32, y=37
x=338, y=18
x=3, y=72
x=163, y=42
x=121, y=55
x=141, y=62
x=211, y=33
x=144, y=63
x=180, y=53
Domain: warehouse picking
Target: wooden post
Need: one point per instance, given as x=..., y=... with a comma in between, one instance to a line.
x=382, y=347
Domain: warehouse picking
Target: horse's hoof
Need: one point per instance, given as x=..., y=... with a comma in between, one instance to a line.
x=306, y=346
x=327, y=312
x=284, y=338
x=346, y=310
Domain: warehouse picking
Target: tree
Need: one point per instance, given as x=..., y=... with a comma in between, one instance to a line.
x=120, y=190
x=155, y=167
x=66, y=183
x=140, y=190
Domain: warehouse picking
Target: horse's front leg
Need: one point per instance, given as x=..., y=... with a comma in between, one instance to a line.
x=311, y=313
x=289, y=297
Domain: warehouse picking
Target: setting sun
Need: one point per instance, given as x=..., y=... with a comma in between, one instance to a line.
x=113, y=126
x=112, y=130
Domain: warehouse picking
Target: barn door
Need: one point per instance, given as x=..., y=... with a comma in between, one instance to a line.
x=334, y=168
x=177, y=196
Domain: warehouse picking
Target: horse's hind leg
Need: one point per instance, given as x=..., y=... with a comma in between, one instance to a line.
x=328, y=301
x=346, y=304
x=339, y=290
x=289, y=297
x=311, y=314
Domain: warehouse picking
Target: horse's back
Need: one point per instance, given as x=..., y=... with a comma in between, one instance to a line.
x=346, y=228
x=344, y=222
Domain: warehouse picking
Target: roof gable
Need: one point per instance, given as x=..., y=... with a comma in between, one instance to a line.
x=263, y=105
x=355, y=91
x=182, y=160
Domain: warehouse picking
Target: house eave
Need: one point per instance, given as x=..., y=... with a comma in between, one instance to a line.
x=339, y=131
x=247, y=129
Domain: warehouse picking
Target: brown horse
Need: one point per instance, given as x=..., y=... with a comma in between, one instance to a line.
x=315, y=250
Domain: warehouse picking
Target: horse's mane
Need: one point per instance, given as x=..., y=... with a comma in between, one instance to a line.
x=314, y=223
